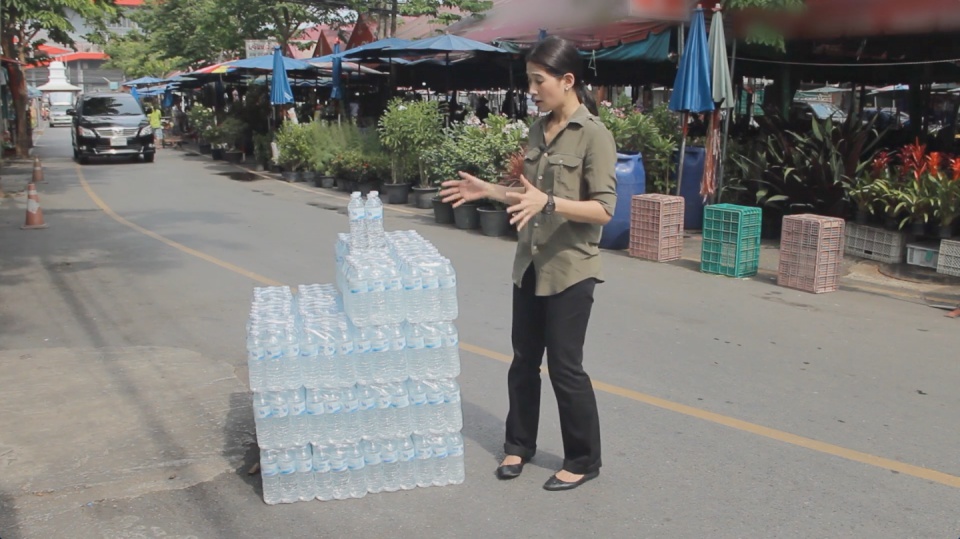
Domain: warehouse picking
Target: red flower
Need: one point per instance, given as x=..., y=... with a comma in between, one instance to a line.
x=881, y=163
x=914, y=162
x=934, y=161
x=955, y=168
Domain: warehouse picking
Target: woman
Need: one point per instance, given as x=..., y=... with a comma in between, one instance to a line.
x=567, y=193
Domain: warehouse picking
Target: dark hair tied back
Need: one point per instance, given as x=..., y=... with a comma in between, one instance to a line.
x=559, y=57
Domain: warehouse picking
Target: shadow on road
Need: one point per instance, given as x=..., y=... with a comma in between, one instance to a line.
x=9, y=527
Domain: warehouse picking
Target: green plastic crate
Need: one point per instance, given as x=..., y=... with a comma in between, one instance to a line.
x=731, y=240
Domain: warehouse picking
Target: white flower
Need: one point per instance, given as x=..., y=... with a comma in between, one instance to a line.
x=473, y=120
x=402, y=107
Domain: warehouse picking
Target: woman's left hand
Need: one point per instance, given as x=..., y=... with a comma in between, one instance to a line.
x=526, y=205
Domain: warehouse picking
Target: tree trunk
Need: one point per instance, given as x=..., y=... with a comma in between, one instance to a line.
x=18, y=90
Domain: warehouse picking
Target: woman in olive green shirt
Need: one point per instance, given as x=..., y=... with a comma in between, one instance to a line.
x=567, y=193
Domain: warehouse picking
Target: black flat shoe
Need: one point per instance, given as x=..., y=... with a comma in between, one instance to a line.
x=554, y=484
x=509, y=471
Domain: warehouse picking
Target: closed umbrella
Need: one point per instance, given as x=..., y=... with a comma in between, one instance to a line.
x=280, y=92
x=691, y=89
x=722, y=92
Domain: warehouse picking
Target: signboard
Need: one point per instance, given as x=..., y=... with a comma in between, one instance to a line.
x=259, y=47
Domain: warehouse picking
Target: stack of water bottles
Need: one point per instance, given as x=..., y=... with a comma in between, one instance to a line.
x=354, y=383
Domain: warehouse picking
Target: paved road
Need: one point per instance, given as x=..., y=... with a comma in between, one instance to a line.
x=729, y=408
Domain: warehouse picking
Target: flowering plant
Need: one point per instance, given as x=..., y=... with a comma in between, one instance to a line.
x=407, y=130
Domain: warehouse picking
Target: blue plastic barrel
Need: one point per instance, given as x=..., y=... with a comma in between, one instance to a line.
x=692, y=176
x=631, y=180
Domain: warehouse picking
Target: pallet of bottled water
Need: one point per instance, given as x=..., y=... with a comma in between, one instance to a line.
x=354, y=383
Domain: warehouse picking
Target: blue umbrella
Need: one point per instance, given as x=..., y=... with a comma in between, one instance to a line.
x=135, y=94
x=267, y=63
x=167, y=97
x=337, y=92
x=280, y=92
x=142, y=81
x=444, y=44
x=373, y=50
x=691, y=89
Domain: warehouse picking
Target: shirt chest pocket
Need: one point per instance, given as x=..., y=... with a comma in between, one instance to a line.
x=565, y=172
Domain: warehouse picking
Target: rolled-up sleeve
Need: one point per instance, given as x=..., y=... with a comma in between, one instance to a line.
x=600, y=168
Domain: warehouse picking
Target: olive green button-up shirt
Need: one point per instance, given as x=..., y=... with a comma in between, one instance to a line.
x=579, y=164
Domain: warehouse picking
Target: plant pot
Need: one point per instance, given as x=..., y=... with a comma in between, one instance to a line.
x=466, y=216
x=891, y=223
x=442, y=212
x=291, y=176
x=275, y=168
x=397, y=193
x=204, y=148
x=945, y=231
x=366, y=186
x=233, y=156
x=494, y=222
x=918, y=229
x=216, y=153
x=327, y=182
x=863, y=216
x=424, y=196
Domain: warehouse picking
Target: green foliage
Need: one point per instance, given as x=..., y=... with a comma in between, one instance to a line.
x=441, y=10
x=200, y=117
x=138, y=56
x=759, y=32
x=482, y=150
x=262, y=150
x=27, y=20
x=233, y=131
x=652, y=135
x=407, y=130
x=293, y=144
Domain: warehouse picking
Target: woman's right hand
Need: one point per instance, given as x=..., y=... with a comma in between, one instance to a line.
x=468, y=188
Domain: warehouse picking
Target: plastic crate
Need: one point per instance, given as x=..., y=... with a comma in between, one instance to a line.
x=924, y=255
x=731, y=240
x=875, y=243
x=656, y=227
x=948, y=263
x=811, y=253
x=809, y=232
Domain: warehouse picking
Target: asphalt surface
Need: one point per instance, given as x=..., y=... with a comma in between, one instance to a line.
x=729, y=408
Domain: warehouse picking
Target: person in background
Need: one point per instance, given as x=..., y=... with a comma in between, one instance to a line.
x=483, y=108
x=156, y=122
x=568, y=193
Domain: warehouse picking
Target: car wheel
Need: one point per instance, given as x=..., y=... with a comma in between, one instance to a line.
x=84, y=160
x=148, y=158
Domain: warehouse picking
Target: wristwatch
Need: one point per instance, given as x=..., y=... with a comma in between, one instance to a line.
x=551, y=206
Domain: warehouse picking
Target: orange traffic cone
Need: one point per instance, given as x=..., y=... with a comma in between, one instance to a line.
x=34, y=213
x=37, y=170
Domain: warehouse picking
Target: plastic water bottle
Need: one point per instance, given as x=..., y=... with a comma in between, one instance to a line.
x=350, y=415
x=450, y=362
x=270, y=475
x=433, y=352
x=418, y=406
x=455, y=458
x=377, y=296
x=363, y=358
x=400, y=402
x=448, y=291
x=346, y=359
x=412, y=292
x=396, y=367
x=431, y=291
x=357, y=298
x=416, y=361
x=256, y=364
x=357, y=214
x=262, y=420
x=324, y=372
x=333, y=412
x=373, y=210
x=358, y=473
x=309, y=352
x=408, y=464
x=280, y=417
x=393, y=285
x=316, y=420
x=434, y=417
x=386, y=414
x=372, y=465
x=298, y=417
x=390, y=463
x=424, y=461
x=289, y=489
x=452, y=409
x=380, y=354
x=322, y=476
x=367, y=411
x=339, y=473
x=305, y=482
x=292, y=376
x=273, y=351
x=441, y=466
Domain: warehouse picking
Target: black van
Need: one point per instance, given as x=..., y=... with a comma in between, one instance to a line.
x=111, y=124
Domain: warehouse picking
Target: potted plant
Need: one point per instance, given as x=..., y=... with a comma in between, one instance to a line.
x=262, y=150
x=293, y=146
x=947, y=195
x=408, y=130
x=324, y=146
x=232, y=131
x=200, y=118
x=214, y=136
x=494, y=220
x=860, y=189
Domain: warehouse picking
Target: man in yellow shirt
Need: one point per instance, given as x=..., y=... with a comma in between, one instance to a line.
x=156, y=123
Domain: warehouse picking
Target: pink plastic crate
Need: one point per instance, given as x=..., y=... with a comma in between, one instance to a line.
x=811, y=253
x=656, y=227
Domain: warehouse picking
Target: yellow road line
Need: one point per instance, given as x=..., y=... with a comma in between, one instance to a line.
x=690, y=411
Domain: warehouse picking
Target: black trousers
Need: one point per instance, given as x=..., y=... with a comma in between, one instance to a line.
x=557, y=324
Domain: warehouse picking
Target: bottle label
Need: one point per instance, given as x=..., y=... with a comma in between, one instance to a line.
x=401, y=401
x=374, y=212
x=383, y=402
x=440, y=452
x=455, y=451
x=358, y=286
x=338, y=467
x=413, y=284
x=398, y=343
x=372, y=459
x=451, y=341
x=263, y=411
x=448, y=281
x=424, y=453
x=315, y=408
x=298, y=408
x=305, y=466
x=269, y=469
x=287, y=467
x=431, y=284
x=378, y=285
x=362, y=347
x=389, y=458
x=419, y=399
x=406, y=455
x=332, y=407
x=308, y=351
x=322, y=466
x=394, y=284
x=367, y=404
x=357, y=214
x=350, y=407
x=329, y=350
x=415, y=343
x=432, y=342
x=346, y=348
x=280, y=410
x=380, y=345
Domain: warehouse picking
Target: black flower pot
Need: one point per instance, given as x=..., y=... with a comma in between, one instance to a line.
x=863, y=216
x=291, y=176
x=945, y=231
x=217, y=154
x=308, y=176
x=204, y=148
x=233, y=156
x=424, y=196
x=918, y=229
x=494, y=222
x=466, y=216
x=397, y=193
x=442, y=212
x=327, y=182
